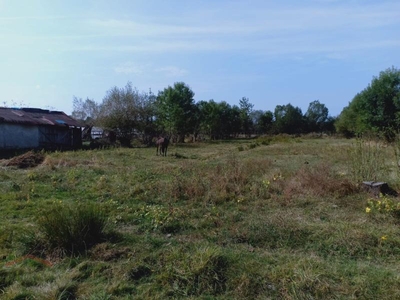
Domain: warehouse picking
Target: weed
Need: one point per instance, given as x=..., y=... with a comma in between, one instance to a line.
x=156, y=217
x=139, y=272
x=67, y=292
x=203, y=270
x=72, y=228
x=383, y=204
x=367, y=160
x=6, y=278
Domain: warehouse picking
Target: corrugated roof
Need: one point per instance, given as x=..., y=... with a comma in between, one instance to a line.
x=36, y=116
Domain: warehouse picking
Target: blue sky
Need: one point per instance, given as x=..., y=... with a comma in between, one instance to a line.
x=272, y=52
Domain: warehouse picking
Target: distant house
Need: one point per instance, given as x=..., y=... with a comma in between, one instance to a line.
x=34, y=128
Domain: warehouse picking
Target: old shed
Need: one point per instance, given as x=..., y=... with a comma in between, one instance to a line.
x=34, y=128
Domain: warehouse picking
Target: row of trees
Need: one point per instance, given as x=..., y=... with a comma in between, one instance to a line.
x=173, y=111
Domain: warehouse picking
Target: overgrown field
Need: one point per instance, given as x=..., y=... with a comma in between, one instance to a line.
x=274, y=218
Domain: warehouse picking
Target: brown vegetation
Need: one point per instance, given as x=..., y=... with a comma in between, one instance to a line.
x=29, y=159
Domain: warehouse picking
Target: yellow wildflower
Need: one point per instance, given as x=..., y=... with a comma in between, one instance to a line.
x=367, y=210
x=384, y=237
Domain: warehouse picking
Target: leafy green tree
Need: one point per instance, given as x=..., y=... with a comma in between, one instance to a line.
x=350, y=121
x=210, y=118
x=232, y=119
x=255, y=116
x=263, y=121
x=288, y=119
x=219, y=120
x=316, y=116
x=376, y=108
x=176, y=110
x=245, y=110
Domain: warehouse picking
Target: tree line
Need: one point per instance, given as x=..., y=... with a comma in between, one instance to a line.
x=174, y=112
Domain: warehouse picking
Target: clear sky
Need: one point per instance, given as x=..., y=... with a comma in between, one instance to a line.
x=272, y=52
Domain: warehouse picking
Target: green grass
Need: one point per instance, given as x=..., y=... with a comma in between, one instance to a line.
x=273, y=218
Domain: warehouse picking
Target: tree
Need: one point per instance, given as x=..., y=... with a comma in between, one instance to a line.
x=176, y=110
x=263, y=121
x=127, y=112
x=350, y=121
x=146, y=116
x=376, y=108
x=86, y=111
x=245, y=110
x=219, y=120
x=288, y=119
x=231, y=119
x=210, y=118
x=316, y=116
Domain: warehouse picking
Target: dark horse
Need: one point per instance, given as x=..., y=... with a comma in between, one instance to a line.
x=162, y=144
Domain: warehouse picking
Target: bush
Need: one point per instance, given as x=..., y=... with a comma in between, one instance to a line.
x=73, y=229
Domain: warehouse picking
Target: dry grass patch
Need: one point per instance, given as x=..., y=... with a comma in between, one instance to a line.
x=320, y=181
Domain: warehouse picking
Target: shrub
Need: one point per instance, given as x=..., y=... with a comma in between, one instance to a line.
x=73, y=229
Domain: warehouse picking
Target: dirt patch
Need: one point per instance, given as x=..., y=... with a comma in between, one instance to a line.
x=27, y=160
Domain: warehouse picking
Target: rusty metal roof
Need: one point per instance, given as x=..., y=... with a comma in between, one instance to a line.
x=36, y=116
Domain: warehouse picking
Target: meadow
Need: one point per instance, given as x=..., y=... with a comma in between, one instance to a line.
x=270, y=218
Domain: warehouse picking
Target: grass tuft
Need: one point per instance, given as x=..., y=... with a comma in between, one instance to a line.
x=202, y=270
x=72, y=229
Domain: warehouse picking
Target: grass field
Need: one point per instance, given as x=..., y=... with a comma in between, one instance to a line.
x=273, y=218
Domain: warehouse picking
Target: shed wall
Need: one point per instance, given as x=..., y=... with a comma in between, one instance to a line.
x=55, y=137
x=17, y=136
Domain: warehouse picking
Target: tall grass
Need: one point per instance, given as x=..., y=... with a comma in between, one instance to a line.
x=73, y=229
x=193, y=272
x=368, y=160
